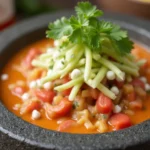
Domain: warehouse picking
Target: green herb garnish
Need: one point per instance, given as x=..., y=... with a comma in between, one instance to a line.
x=86, y=44
x=75, y=104
x=86, y=28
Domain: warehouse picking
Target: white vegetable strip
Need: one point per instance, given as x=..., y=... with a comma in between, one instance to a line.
x=64, y=50
x=75, y=91
x=128, y=62
x=71, y=53
x=92, y=74
x=141, y=62
x=72, y=64
x=69, y=84
x=65, y=71
x=52, y=77
x=88, y=64
x=94, y=70
x=58, y=65
x=96, y=56
x=112, y=67
x=106, y=91
x=124, y=60
x=131, y=57
x=99, y=77
x=132, y=71
x=38, y=63
x=45, y=56
x=81, y=62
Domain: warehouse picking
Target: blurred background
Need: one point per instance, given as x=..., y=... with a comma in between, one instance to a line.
x=12, y=11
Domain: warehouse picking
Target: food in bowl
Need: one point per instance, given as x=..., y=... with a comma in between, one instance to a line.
x=88, y=77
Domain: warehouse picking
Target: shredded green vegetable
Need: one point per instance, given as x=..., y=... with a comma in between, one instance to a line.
x=75, y=91
x=90, y=46
x=112, y=67
x=69, y=84
x=106, y=91
x=88, y=64
x=99, y=77
x=38, y=63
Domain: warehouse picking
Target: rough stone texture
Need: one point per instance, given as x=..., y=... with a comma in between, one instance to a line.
x=30, y=31
x=7, y=143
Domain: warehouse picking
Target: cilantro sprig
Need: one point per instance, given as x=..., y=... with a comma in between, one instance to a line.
x=86, y=28
x=85, y=44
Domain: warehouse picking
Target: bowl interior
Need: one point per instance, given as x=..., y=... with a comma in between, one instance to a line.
x=19, y=43
x=40, y=137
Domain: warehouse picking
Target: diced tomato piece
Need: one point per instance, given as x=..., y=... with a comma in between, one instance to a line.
x=59, y=110
x=66, y=79
x=29, y=106
x=18, y=90
x=120, y=121
x=138, y=83
x=136, y=104
x=85, y=86
x=66, y=92
x=119, y=83
x=144, y=67
x=66, y=125
x=104, y=104
x=45, y=95
x=34, y=105
x=131, y=96
x=94, y=93
x=30, y=56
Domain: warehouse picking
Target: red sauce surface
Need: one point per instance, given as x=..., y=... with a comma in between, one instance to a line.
x=10, y=100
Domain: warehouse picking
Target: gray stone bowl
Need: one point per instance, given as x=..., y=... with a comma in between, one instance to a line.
x=27, y=32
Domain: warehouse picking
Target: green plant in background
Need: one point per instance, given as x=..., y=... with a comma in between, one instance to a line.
x=32, y=7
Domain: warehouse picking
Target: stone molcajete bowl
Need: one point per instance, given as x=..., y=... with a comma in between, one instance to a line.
x=27, y=32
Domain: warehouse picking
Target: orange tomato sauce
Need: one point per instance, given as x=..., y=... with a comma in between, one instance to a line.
x=9, y=100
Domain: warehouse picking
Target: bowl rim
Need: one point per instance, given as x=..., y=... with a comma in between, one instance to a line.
x=37, y=136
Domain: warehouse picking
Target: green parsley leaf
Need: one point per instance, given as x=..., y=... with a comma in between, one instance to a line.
x=105, y=26
x=59, y=28
x=124, y=46
x=78, y=22
x=88, y=10
x=117, y=34
x=77, y=36
x=86, y=28
x=95, y=42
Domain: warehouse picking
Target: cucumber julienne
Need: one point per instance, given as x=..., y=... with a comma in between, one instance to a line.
x=86, y=43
